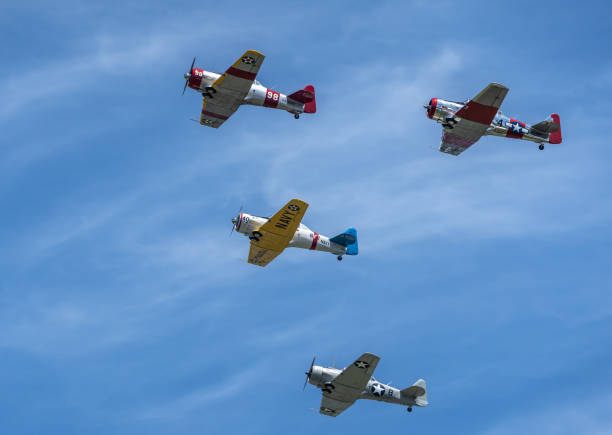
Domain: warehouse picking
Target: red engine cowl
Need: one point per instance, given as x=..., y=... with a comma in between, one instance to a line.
x=195, y=79
x=431, y=110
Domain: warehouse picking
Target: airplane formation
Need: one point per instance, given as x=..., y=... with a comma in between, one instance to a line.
x=463, y=124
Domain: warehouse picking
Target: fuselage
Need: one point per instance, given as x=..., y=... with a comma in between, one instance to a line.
x=443, y=112
x=374, y=390
x=303, y=238
x=199, y=80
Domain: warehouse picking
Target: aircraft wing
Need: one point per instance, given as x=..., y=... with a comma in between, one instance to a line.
x=348, y=385
x=261, y=256
x=231, y=88
x=277, y=233
x=474, y=118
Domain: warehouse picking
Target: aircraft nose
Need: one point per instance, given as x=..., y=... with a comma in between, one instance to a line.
x=187, y=76
x=234, y=220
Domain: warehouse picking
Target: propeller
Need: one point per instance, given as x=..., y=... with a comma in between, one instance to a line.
x=188, y=75
x=309, y=372
x=235, y=221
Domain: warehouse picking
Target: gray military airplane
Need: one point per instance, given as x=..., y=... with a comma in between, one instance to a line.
x=342, y=387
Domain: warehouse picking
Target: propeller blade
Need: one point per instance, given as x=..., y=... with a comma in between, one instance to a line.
x=309, y=373
x=188, y=75
x=233, y=224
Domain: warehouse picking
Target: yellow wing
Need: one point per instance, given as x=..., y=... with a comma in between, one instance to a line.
x=230, y=89
x=260, y=256
x=276, y=234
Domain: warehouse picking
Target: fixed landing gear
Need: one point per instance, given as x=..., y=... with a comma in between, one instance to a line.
x=541, y=147
x=339, y=257
x=209, y=91
x=449, y=122
x=409, y=409
x=328, y=387
x=296, y=115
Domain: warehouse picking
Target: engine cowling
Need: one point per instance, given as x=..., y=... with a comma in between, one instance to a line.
x=195, y=78
x=431, y=108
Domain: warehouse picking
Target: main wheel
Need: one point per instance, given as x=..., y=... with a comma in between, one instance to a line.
x=296, y=116
x=339, y=257
x=541, y=147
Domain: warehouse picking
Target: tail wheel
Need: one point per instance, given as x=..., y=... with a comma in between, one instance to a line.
x=409, y=409
x=339, y=257
x=296, y=115
x=541, y=147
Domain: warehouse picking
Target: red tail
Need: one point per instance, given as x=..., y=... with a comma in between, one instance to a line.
x=306, y=96
x=555, y=137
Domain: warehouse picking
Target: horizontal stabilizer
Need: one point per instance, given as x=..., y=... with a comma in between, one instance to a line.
x=344, y=239
x=348, y=239
x=417, y=392
x=303, y=96
x=544, y=128
x=306, y=96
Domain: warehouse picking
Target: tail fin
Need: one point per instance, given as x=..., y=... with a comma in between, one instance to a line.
x=306, y=96
x=418, y=393
x=555, y=136
x=348, y=239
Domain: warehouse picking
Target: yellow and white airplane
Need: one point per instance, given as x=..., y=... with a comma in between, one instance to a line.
x=270, y=236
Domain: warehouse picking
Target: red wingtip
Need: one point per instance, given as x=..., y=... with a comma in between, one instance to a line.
x=555, y=137
x=310, y=107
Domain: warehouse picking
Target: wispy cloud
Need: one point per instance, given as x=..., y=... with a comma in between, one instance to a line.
x=221, y=392
x=578, y=415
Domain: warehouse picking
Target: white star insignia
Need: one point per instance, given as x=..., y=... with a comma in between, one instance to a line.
x=361, y=364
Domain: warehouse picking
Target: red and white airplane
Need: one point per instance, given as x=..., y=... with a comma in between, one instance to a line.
x=224, y=93
x=465, y=123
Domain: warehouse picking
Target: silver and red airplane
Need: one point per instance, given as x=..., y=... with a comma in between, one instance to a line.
x=224, y=93
x=465, y=123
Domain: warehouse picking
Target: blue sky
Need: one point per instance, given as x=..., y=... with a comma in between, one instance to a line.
x=126, y=308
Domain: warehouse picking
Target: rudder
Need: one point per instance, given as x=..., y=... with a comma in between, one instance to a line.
x=555, y=136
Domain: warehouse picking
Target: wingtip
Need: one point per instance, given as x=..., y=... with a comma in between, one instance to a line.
x=498, y=85
x=256, y=52
x=301, y=201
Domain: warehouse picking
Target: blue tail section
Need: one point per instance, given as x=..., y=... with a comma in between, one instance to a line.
x=348, y=239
